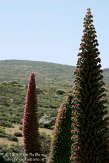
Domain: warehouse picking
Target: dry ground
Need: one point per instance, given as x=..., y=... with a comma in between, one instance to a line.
x=5, y=141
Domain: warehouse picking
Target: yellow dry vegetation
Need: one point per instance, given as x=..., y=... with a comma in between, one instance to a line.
x=15, y=128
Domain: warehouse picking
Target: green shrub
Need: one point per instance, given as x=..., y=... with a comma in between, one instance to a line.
x=60, y=91
x=18, y=134
x=12, y=138
x=16, y=149
x=20, y=128
x=2, y=133
x=5, y=123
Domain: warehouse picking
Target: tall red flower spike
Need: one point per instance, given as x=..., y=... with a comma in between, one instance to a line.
x=30, y=124
x=90, y=122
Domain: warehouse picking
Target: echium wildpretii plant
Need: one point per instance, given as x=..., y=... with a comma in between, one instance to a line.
x=61, y=140
x=90, y=128
x=30, y=125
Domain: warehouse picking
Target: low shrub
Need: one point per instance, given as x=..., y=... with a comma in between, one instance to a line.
x=20, y=127
x=5, y=123
x=60, y=91
x=18, y=134
x=2, y=133
x=12, y=138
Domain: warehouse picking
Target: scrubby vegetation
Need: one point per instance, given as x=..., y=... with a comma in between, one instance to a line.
x=13, y=90
x=13, y=97
x=11, y=137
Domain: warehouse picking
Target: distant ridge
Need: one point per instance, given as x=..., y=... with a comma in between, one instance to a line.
x=46, y=72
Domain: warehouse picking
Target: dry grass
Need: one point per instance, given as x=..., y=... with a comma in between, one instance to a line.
x=8, y=143
x=47, y=131
x=5, y=141
x=12, y=130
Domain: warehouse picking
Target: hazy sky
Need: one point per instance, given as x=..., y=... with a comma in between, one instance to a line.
x=50, y=30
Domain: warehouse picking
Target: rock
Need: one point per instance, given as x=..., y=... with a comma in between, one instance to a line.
x=47, y=121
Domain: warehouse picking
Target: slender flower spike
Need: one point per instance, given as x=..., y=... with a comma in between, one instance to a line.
x=30, y=124
x=89, y=102
x=61, y=140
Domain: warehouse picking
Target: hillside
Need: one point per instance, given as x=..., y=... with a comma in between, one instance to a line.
x=106, y=76
x=54, y=81
x=47, y=73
